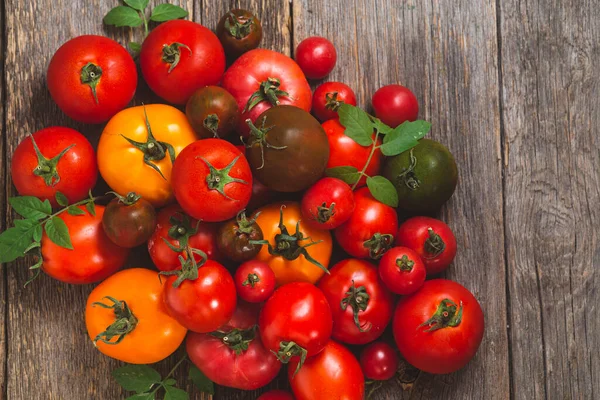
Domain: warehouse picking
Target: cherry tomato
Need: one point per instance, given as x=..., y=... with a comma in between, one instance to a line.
x=327, y=204
x=91, y=78
x=344, y=151
x=129, y=221
x=276, y=395
x=395, y=104
x=402, y=270
x=150, y=334
x=439, y=328
x=328, y=97
x=379, y=361
x=332, y=374
x=212, y=112
x=360, y=303
x=234, y=236
x=221, y=176
x=316, y=56
x=369, y=232
x=239, y=31
x=180, y=56
x=94, y=256
x=254, y=281
x=431, y=239
x=54, y=160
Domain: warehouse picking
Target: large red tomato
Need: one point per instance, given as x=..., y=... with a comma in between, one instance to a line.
x=178, y=57
x=54, y=160
x=439, y=328
x=91, y=78
x=261, y=79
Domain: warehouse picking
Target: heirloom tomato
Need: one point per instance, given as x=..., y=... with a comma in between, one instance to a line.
x=234, y=236
x=239, y=31
x=129, y=221
x=212, y=112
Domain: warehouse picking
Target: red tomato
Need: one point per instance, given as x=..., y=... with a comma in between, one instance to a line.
x=360, y=303
x=370, y=230
x=60, y=160
x=91, y=78
x=93, y=257
x=332, y=374
x=327, y=204
x=261, y=195
x=432, y=239
x=402, y=270
x=276, y=395
x=178, y=57
x=379, y=361
x=261, y=79
x=316, y=56
x=328, y=97
x=343, y=151
x=395, y=104
x=295, y=322
x=439, y=328
x=254, y=281
x=179, y=229
x=221, y=176
x=245, y=316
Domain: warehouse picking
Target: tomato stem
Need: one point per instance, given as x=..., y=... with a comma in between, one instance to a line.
x=290, y=349
x=379, y=244
x=267, y=91
x=434, y=245
x=171, y=54
x=358, y=299
x=259, y=136
x=251, y=280
x=90, y=75
x=404, y=263
x=362, y=172
x=237, y=27
x=324, y=212
x=446, y=315
x=46, y=168
x=217, y=179
x=211, y=122
x=237, y=340
x=125, y=321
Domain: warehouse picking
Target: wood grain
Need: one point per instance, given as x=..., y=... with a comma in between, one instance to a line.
x=550, y=98
x=3, y=206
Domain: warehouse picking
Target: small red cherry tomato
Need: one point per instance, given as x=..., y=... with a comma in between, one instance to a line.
x=276, y=395
x=254, y=281
x=328, y=97
x=327, y=204
x=316, y=56
x=379, y=361
x=402, y=270
x=395, y=104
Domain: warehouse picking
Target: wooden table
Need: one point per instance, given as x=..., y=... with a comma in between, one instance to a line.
x=512, y=88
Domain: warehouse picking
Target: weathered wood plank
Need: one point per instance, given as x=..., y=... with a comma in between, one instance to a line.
x=3, y=203
x=550, y=54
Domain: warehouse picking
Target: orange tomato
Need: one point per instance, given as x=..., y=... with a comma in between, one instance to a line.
x=143, y=167
x=151, y=335
x=290, y=264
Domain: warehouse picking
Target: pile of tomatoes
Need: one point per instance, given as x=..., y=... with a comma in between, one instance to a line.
x=233, y=201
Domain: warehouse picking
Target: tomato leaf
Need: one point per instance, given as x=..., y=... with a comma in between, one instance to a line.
x=348, y=174
x=37, y=233
x=200, y=380
x=31, y=207
x=357, y=123
x=137, y=378
x=383, y=190
x=137, y=4
x=167, y=12
x=58, y=233
x=61, y=199
x=74, y=210
x=404, y=137
x=381, y=127
x=123, y=16
x=90, y=206
x=170, y=382
x=135, y=47
x=33, y=245
x=14, y=241
x=173, y=393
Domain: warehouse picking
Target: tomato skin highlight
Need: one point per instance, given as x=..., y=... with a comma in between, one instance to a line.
x=327, y=204
x=327, y=98
x=316, y=56
x=402, y=270
x=379, y=361
x=395, y=104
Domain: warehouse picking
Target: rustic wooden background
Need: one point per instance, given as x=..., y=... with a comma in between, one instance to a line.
x=512, y=88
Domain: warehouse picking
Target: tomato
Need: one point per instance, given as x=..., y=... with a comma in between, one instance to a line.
x=402, y=270
x=316, y=56
x=137, y=150
x=395, y=104
x=180, y=231
x=439, y=328
x=431, y=239
x=425, y=177
x=133, y=295
x=261, y=79
x=295, y=252
x=288, y=151
x=178, y=57
x=93, y=257
x=360, y=303
x=254, y=281
x=221, y=176
x=245, y=316
x=261, y=195
x=54, y=160
x=212, y=112
x=344, y=151
x=332, y=374
x=370, y=230
x=234, y=236
x=327, y=204
x=239, y=31
x=379, y=361
x=295, y=323
x=328, y=97
x=276, y=395
x=129, y=221
x=91, y=78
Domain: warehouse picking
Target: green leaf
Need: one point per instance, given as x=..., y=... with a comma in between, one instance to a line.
x=167, y=12
x=74, y=210
x=404, y=137
x=13, y=243
x=142, y=396
x=26, y=224
x=135, y=47
x=173, y=393
x=90, y=206
x=383, y=190
x=61, y=199
x=348, y=174
x=381, y=127
x=139, y=5
x=136, y=378
x=170, y=382
x=33, y=245
x=200, y=380
x=37, y=233
x=58, y=233
x=38, y=264
x=357, y=123
x=123, y=16
x=31, y=207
